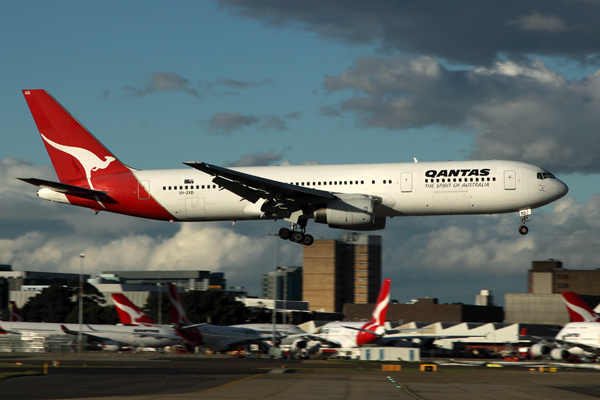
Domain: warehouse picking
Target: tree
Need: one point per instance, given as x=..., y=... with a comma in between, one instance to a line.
x=151, y=307
x=215, y=307
x=60, y=303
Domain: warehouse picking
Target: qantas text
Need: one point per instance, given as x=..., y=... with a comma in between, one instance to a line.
x=432, y=173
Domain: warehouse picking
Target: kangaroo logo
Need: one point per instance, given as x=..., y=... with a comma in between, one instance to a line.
x=86, y=158
x=134, y=315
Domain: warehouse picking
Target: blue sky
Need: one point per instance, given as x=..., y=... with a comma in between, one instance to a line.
x=263, y=83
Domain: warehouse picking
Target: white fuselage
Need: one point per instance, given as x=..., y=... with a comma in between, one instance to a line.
x=424, y=188
x=585, y=333
x=136, y=336
x=223, y=338
x=336, y=332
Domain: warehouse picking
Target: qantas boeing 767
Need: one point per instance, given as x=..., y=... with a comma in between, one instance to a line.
x=353, y=197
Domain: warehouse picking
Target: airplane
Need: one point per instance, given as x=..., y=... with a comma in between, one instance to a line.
x=15, y=313
x=353, y=197
x=109, y=337
x=578, y=338
x=213, y=337
x=579, y=310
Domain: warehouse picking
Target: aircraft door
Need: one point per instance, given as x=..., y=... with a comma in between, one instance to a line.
x=194, y=208
x=143, y=190
x=406, y=182
x=510, y=180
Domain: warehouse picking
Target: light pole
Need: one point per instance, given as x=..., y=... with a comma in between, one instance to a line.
x=80, y=336
x=274, y=319
x=159, y=303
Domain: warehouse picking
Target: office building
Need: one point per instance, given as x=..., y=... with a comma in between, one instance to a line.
x=289, y=284
x=347, y=270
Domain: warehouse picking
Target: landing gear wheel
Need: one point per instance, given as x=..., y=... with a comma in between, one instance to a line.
x=285, y=233
x=308, y=240
x=523, y=230
x=297, y=237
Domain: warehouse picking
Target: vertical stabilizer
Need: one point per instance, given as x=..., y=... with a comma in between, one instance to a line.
x=15, y=313
x=75, y=153
x=129, y=313
x=579, y=310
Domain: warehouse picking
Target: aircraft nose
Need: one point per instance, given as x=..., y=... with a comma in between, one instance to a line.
x=562, y=188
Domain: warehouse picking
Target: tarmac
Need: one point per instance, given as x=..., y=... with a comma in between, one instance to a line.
x=139, y=377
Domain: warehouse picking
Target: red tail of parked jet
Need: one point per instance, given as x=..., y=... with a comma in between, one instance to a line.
x=378, y=317
x=129, y=313
x=184, y=328
x=579, y=310
x=15, y=313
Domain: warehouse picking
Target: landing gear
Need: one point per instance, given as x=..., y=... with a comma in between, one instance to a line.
x=523, y=230
x=285, y=233
x=296, y=236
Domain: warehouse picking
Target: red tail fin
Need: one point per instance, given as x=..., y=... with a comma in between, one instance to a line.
x=15, y=313
x=177, y=312
x=523, y=332
x=381, y=307
x=579, y=310
x=128, y=312
x=75, y=153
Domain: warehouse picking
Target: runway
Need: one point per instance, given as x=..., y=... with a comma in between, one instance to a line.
x=154, y=378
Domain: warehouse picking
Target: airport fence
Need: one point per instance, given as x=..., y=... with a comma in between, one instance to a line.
x=37, y=343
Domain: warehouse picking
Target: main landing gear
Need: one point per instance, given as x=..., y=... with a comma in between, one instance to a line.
x=523, y=230
x=296, y=236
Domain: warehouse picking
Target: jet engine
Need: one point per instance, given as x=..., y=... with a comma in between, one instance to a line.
x=353, y=213
x=111, y=345
x=539, y=350
x=559, y=354
x=299, y=344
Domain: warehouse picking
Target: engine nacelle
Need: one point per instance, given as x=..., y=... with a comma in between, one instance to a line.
x=299, y=344
x=354, y=214
x=539, y=350
x=559, y=354
x=111, y=345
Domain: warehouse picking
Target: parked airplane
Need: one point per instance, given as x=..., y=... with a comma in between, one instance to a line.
x=110, y=337
x=213, y=337
x=579, y=310
x=357, y=334
x=578, y=338
x=354, y=197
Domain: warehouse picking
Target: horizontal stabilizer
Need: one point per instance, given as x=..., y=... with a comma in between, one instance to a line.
x=63, y=187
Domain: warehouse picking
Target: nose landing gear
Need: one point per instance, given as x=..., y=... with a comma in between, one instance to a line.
x=523, y=230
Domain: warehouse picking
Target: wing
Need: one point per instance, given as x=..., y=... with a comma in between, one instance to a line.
x=282, y=199
x=63, y=187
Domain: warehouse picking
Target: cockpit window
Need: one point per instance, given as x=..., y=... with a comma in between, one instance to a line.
x=545, y=175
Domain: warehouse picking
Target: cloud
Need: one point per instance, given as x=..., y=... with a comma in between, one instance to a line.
x=257, y=159
x=232, y=83
x=537, y=22
x=518, y=111
x=468, y=32
x=224, y=123
x=163, y=81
